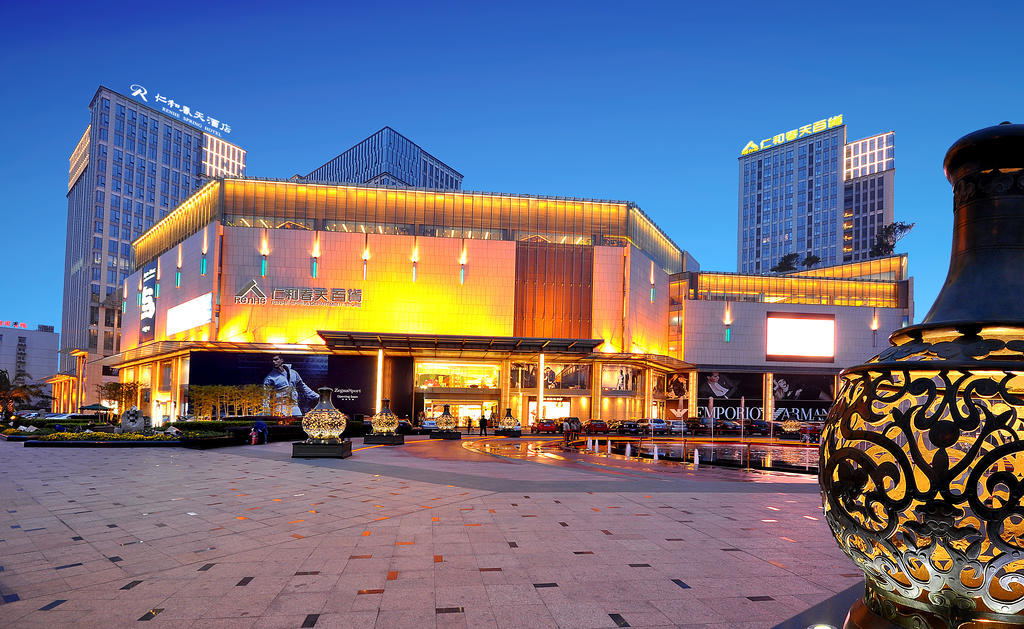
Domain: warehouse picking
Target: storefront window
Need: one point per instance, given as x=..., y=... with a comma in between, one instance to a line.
x=621, y=380
x=457, y=376
x=573, y=376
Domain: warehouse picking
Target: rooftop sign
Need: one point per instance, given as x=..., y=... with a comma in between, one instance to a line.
x=792, y=134
x=185, y=113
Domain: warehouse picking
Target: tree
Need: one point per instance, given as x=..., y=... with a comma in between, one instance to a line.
x=18, y=393
x=810, y=261
x=786, y=263
x=887, y=237
x=123, y=394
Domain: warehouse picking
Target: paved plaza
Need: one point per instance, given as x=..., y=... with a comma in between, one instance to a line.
x=479, y=533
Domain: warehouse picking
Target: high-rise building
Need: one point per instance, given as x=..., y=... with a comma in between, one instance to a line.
x=29, y=355
x=809, y=192
x=138, y=157
x=388, y=158
x=868, y=174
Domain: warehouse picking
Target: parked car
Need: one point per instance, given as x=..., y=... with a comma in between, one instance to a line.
x=544, y=425
x=677, y=427
x=654, y=426
x=428, y=425
x=623, y=426
x=595, y=426
x=756, y=427
x=810, y=432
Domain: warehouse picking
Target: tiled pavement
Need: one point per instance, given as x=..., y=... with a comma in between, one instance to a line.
x=432, y=534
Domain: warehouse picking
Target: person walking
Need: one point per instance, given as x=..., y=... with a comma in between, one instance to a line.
x=483, y=423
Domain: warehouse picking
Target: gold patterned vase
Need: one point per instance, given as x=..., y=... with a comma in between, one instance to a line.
x=385, y=422
x=508, y=422
x=324, y=423
x=445, y=421
x=922, y=457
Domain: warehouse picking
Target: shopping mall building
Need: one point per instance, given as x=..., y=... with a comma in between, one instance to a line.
x=549, y=306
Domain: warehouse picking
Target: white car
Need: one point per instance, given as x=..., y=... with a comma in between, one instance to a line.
x=428, y=424
x=677, y=427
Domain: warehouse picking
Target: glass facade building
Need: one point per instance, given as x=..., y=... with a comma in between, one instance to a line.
x=388, y=158
x=813, y=194
x=130, y=168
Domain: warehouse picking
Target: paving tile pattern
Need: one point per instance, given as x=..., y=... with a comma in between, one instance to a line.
x=247, y=537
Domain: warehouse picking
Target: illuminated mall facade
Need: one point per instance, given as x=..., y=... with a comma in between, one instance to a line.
x=553, y=307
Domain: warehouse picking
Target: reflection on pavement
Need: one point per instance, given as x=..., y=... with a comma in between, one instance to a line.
x=757, y=460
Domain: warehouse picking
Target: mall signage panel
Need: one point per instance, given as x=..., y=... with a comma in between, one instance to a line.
x=792, y=134
x=258, y=294
x=569, y=376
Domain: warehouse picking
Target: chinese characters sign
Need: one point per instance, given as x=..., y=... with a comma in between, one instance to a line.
x=251, y=293
x=13, y=324
x=792, y=134
x=185, y=113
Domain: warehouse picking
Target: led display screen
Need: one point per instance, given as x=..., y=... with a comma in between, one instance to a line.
x=190, y=314
x=803, y=337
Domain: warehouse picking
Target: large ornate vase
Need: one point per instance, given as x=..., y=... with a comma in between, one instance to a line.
x=385, y=422
x=922, y=457
x=324, y=423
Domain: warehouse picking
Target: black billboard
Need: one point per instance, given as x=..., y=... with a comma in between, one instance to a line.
x=802, y=397
x=352, y=378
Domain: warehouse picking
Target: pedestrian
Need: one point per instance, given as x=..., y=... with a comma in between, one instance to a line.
x=483, y=424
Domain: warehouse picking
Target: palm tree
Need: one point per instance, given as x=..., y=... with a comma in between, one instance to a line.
x=18, y=393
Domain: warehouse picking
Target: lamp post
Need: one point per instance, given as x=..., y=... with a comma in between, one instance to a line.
x=922, y=458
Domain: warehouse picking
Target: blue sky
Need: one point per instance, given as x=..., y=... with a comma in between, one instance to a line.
x=647, y=102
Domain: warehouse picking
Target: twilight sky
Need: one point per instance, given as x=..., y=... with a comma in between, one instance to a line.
x=646, y=102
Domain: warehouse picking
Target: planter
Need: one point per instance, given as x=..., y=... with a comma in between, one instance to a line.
x=303, y=450
x=451, y=435
x=205, y=443
x=15, y=437
x=384, y=440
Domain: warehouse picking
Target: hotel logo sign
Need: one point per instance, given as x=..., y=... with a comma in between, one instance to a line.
x=792, y=134
x=185, y=113
x=251, y=293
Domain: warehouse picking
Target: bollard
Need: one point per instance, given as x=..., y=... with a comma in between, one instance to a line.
x=628, y=454
x=696, y=457
x=609, y=446
x=655, y=452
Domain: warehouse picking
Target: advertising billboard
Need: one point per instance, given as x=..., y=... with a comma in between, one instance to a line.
x=191, y=314
x=352, y=378
x=729, y=396
x=621, y=380
x=147, y=305
x=802, y=397
x=677, y=396
x=800, y=337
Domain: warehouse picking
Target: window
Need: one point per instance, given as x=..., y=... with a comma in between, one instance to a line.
x=97, y=242
x=98, y=227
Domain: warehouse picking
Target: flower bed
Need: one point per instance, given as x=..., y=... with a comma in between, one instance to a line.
x=101, y=439
x=104, y=436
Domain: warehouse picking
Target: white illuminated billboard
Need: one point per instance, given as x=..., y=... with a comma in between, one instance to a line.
x=188, y=315
x=804, y=337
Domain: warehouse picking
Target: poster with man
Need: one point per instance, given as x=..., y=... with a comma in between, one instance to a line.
x=802, y=397
x=677, y=396
x=294, y=396
x=729, y=396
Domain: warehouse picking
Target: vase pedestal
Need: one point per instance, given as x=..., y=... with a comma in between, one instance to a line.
x=340, y=450
x=452, y=435
x=508, y=432
x=384, y=440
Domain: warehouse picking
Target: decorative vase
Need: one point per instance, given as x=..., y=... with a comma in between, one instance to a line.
x=922, y=457
x=445, y=421
x=508, y=422
x=385, y=422
x=324, y=423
